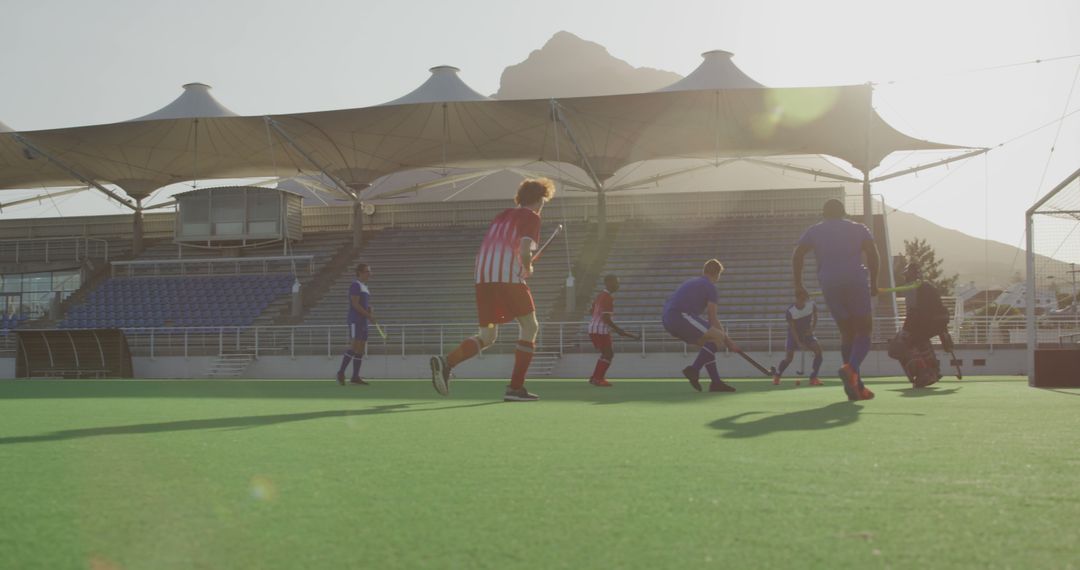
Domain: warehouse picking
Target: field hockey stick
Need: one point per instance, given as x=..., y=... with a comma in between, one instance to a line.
x=900, y=288
x=802, y=362
x=770, y=372
x=956, y=363
x=897, y=289
x=540, y=251
x=380, y=331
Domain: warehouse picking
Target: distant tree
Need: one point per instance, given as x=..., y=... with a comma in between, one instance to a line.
x=920, y=251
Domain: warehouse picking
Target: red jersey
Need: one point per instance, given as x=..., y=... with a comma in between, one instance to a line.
x=603, y=304
x=499, y=258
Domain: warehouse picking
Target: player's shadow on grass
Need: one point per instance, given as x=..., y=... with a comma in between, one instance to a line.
x=835, y=415
x=924, y=392
x=675, y=391
x=240, y=422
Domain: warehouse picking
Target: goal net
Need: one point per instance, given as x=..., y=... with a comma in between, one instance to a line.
x=1053, y=270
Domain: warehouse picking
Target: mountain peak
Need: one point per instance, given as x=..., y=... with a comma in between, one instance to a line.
x=569, y=66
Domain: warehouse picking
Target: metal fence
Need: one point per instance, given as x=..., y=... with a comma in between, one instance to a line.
x=297, y=264
x=51, y=250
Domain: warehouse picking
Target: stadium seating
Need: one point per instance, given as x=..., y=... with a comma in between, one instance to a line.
x=653, y=257
x=182, y=301
x=425, y=275
x=199, y=298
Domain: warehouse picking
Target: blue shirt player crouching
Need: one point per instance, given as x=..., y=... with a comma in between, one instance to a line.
x=360, y=314
x=683, y=319
x=847, y=285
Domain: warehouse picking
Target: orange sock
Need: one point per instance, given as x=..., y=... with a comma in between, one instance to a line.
x=523, y=355
x=468, y=348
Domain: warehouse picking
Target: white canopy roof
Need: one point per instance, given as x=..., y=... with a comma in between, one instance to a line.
x=443, y=122
x=4, y=128
x=192, y=137
x=195, y=102
x=717, y=71
x=443, y=85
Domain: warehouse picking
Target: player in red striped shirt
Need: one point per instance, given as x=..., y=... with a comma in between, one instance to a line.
x=503, y=264
x=600, y=328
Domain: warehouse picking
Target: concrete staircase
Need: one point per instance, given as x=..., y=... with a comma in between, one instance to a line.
x=232, y=363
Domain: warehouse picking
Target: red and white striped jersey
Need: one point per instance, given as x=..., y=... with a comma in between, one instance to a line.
x=604, y=303
x=499, y=259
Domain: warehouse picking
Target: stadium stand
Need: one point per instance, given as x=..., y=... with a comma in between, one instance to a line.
x=653, y=257
x=182, y=301
x=198, y=297
x=425, y=275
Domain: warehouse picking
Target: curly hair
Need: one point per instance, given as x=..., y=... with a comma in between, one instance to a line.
x=534, y=189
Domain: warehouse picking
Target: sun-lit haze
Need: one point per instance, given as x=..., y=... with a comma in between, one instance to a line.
x=68, y=63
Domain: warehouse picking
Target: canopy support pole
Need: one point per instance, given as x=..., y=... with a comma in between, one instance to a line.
x=867, y=203
x=341, y=184
x=357, y=218
x=74, y=173
x=867, y=199
x=137, y=228
x=601, y=201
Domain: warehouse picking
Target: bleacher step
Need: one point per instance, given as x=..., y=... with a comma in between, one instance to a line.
x=231, y=365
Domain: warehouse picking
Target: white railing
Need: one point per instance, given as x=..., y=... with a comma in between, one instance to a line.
x=403, y=340
x=50, y=250
x=297, y=264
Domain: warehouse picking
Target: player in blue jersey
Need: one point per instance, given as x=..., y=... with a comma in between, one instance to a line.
x=683, y=319
x=801, y=320
x=839, y=246
x=360, y=315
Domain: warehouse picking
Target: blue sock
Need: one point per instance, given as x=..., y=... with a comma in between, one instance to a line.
x=345, y=360
x=817, y=365
x=845, y=352
x=706, y=354
x=859, y=349
x=357, y=360
x=714, y=374
x=783, y=366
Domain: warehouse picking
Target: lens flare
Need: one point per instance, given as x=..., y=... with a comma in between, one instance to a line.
x=263, y=489
x=784, y=108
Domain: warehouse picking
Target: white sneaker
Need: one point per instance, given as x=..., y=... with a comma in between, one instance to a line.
x=440, y=375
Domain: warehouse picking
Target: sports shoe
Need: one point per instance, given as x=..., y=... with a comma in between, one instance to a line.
x=865, y=393
x=602, y=382
x=519, y=395
x=815, y=381
x=850, y=379
x=359, y=382
x=692, y=376
x=776, y=380
x=719, y=386
x=341, y=378
x=440, y=375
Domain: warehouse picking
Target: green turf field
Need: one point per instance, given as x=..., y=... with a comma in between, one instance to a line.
x=248, y=474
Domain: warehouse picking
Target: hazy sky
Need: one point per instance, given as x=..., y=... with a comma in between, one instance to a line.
x=68, y=63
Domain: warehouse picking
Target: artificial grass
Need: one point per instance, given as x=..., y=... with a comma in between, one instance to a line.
x=648, y=474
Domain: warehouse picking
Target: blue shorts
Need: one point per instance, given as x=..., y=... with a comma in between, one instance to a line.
x=687, y=328
x=808, y=341
x=848, y=300
x=358, y=331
